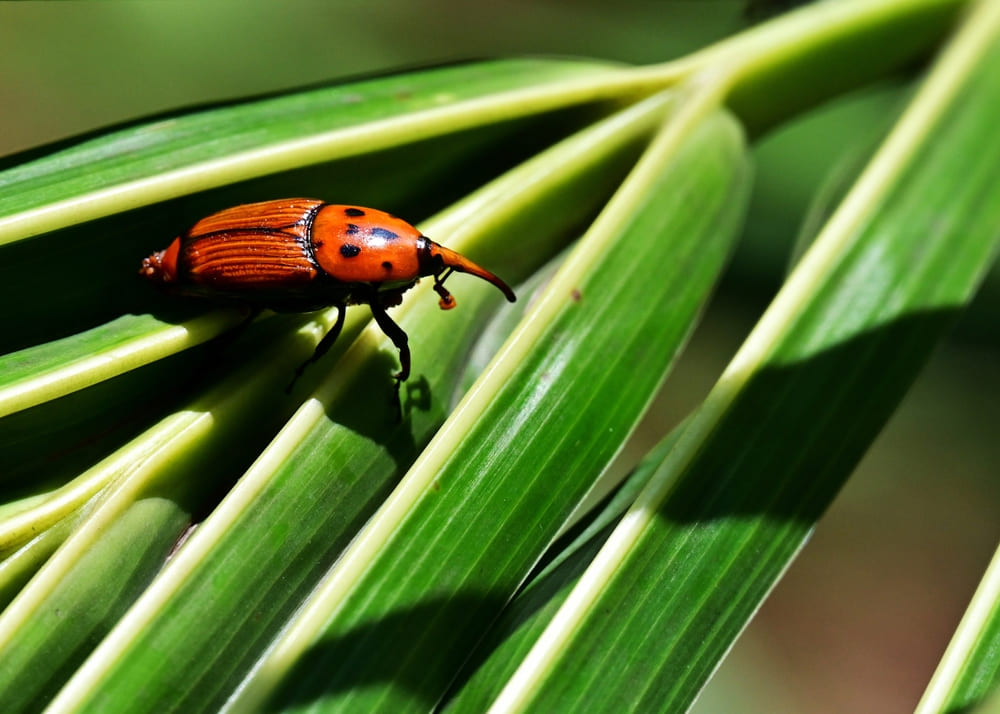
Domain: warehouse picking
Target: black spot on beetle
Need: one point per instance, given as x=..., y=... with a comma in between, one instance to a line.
x=349, y=251
x=387, y=265
x=384, y=233
x=353, y=212
x=352, y=229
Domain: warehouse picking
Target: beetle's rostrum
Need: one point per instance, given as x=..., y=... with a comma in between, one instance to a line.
x=300, y=255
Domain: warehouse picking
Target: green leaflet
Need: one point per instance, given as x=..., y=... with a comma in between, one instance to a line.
x=180, y=155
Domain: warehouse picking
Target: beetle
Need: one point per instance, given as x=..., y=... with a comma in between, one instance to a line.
x=301, y=255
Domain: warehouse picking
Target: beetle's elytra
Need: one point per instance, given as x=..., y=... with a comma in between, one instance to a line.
x=301, y=254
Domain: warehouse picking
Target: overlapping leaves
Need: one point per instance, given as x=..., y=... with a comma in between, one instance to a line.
x=350, y=568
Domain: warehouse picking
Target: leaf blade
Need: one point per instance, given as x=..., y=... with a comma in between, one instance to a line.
x=140, y=166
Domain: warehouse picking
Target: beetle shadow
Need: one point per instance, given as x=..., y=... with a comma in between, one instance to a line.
x=415, y=396
x=370, y=406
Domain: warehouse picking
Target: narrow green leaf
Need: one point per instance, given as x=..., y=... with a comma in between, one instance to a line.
x=18, y=568
x=775, y=69
x=46, y=448
x=181, y=155
x=49, y=371
x=731, y=505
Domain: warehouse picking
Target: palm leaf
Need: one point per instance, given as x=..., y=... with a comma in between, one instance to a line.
x=353, y=561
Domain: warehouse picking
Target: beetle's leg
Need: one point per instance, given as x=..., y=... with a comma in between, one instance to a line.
x=395, y=333
x=446, y=302
x=323, y=347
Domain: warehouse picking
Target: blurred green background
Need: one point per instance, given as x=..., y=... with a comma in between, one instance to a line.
x=862, y=617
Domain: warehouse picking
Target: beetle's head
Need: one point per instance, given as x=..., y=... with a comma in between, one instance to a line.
x=439, y=261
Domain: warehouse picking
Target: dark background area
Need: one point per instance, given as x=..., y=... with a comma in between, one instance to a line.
x=862, y=617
